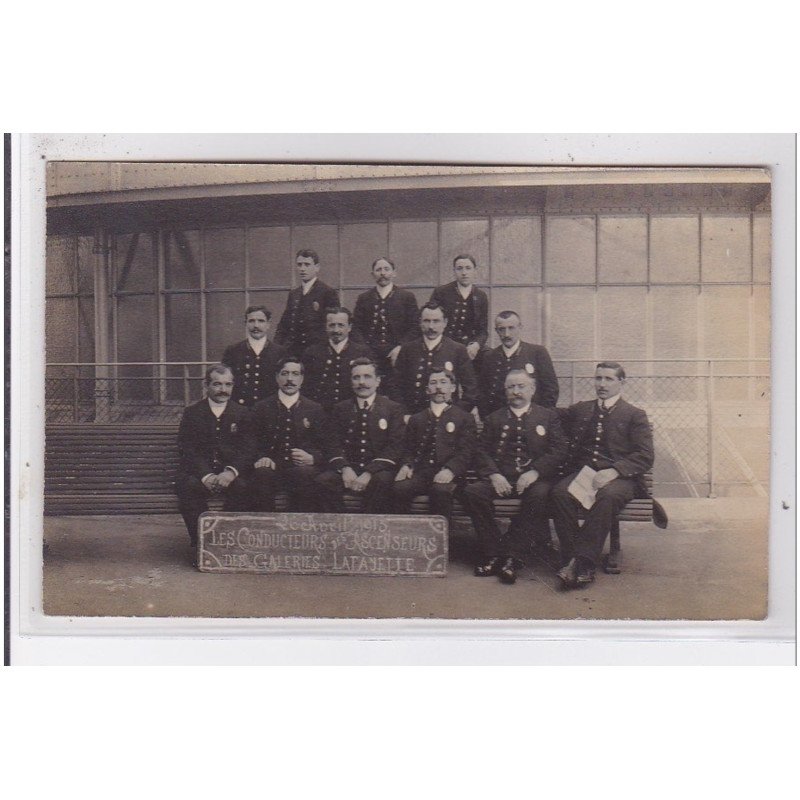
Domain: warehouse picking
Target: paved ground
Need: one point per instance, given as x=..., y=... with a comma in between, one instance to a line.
x=710, y=564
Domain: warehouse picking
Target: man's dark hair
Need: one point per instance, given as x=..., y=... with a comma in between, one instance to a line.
x=252, y=309
x=364, y=361
x=339, y=310
x=312, y=254
x=524, y=372
x=468, y=257
x=508, y=315
x=383, y=258
x=290, y=360
x=216, y=368
x=447, y=372
x=432, y=305
x=617, y=367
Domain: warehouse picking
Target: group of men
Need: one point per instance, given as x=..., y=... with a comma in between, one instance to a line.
x=388, y=408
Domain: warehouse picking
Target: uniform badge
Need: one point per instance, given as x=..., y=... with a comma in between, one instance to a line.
x=448, y=365
x=450, y=427
x=315, y=306
x=383, y=424
x=540, y=430
x=529, y=368
x=234, y=427
x=306, y=423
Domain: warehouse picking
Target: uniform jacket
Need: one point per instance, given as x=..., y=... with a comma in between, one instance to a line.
x=411, y=372
x=534, y=359
x=309, y=423
x=449, y=297
x=303, y=321
x=401, y=314
x=456, y=439
x=546, y=443
x=327, y=371
x=385, y=432
x=208, y=445
x=253, y=375
x=628, y=437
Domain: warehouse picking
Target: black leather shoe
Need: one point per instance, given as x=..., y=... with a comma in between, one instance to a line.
x=585, y=575
x=491, y=567
x=569, y=575
x=508, y=572
x=612, y=562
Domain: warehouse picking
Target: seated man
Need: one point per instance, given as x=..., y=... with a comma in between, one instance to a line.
x=520, y=450
x=215, y=451
x=614, y=438
x=291, y=436
x=367, y=435
x=440, y=445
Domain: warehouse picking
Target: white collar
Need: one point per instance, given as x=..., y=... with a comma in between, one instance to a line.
x=257, y=345
x=520, y=411
x=288, y=399
x=370, y=401
x=217, y=409
x=610, y=402
x=435, y=344
x=337, y=348
x=513, y=350
x=438, y=408
x=384, y=291
x=306, y=287
x=465, y=293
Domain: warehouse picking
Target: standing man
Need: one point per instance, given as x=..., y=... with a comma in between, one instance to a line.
x=253, y=360
x=433, y=352
x=513, y=353
x=387, y=316
x=440, y=445
x=291, y=435
x=215, y=450
x=367, y=434
x=327, y=363
x=614, y=438
x=303, y=321
x=520, y=450
x=466, y=308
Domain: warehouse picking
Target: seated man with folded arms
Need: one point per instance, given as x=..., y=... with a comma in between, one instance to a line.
x=215, y=450
x=439, y=448
x=367, y=439
x=614, y=438
x=520, y=450
x=291, y=434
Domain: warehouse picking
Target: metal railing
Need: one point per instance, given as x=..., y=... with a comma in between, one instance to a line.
x=710, y=416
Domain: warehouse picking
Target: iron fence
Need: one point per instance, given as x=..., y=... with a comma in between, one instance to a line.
x=710, y=417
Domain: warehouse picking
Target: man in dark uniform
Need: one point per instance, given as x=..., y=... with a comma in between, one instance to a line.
x=520, y=450
x=368, y=436
x=327, y=364
x=614, y=439
x=440, y=444
x=513, y=353
x=253, y=360
x=433, y=351
x=466, y=308
x=215, y=450
x=303, y=321
x=387, y=316
x=292, y=437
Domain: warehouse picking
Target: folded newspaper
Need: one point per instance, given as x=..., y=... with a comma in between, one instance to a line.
x=582, y=489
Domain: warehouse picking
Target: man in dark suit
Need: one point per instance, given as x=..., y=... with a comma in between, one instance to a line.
x=215, y=451
x=440, y=444
x=432, y=352
x=513, y=353
x=292, y=437
x=612, y=437
x=303, y=321
x=520, y=450
x=367, y=434
x=253, y=360
x=386, y=317
x=327, y=364
x=466, y=308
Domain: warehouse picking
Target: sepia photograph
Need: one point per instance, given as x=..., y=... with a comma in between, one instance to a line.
x=406, y=391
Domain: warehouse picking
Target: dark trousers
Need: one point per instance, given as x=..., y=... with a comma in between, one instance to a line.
x=587, y=541
x=440, y=495
x=193, y=500
x=298, y=482
x=375, y=499
x=478, y=501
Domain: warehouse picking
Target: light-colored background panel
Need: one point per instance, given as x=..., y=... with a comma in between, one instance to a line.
x=762, y=247
x=60, y=276
x=622, y=249
x=324, y=239
x=675, y=323
x=527, y=302
x=414, y=248
x=674, y=249
x=516, y=251
x=761, y=321
x=622, y=323
x=361, y=244
x=275, y=301
x=570, y=249
x=463, y=237
x=726, y=248
x=224, y=257
x=571, y=320
x=271, y=259
x=183, y=263
x=727, y=321
x=224, y=322
x=59, y=329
